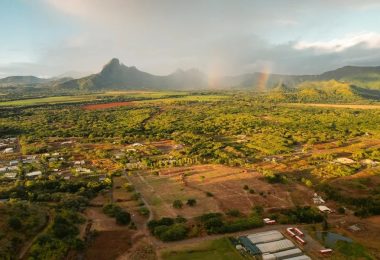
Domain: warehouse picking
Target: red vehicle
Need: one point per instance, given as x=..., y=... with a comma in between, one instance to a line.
x=326, y=252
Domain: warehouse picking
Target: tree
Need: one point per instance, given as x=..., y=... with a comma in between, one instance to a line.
x=15, y=223
x=123, y=218
x=177, y=204
x=191, y=202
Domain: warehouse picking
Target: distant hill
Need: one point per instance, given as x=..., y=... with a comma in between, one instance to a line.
x=21, y=80
x=367, y=77
x=115, y=75
x=330, y=91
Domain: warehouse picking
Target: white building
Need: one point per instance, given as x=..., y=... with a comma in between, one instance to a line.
x=33, y=174
x=324, y=209
x=8, y=150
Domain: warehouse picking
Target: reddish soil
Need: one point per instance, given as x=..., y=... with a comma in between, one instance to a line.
x=108, y=105
x=109, y=244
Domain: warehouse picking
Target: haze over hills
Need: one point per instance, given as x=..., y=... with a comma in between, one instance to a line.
x=117, y=76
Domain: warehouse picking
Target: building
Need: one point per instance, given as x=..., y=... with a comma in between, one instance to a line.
x=275, y=246
x=82, y=162
x=283, y=254
x=264, y=237
x=10, y=175
x=344, y=160
x=324, y=209
x=249, y=247
x=33, y=174
x=301, y=257
x=14, y=162
x=318, y=199
x=8, y=150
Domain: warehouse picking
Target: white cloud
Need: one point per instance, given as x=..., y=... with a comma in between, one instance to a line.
x=369, y=40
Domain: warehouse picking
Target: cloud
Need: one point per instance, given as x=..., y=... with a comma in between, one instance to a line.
x=369, y=40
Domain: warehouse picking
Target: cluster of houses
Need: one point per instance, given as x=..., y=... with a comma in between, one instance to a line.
x=348, y=161
x=7, y=145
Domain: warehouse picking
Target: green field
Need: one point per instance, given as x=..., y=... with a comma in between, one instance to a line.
x=48, y=100
x=220, y=249
x=99, y=96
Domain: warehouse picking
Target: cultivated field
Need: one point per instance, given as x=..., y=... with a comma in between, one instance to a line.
x=216, y=188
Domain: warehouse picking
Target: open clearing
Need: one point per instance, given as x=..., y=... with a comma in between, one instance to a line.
x=216, y=249
x=224, y=185
x=352, y=106
x=109, y=244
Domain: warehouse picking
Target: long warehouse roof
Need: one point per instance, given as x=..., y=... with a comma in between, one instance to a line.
x=275, y=246
x=265, y=237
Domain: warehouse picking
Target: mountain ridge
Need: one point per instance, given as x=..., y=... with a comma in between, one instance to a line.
x=115, y=75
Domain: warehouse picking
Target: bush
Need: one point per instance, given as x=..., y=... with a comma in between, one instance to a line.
x=123, y=218
x=14, y=223
x=177, y=204
x=191, y=202
x=209, y=194
x=171, y=233
x=144, y=211
x=233, y=213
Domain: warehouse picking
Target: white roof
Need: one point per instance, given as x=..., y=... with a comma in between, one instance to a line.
x=324, y=208
x=344, y=160
x=301, y=257
x=268, y=257
x=276, y=246
x=35, y=173
x=10, y=175
x=264, y=237
x=288, y=253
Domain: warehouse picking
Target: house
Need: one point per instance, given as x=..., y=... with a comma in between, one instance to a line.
x=8, y=150
x=82, y=162
x=10, y=175
x=14, y=162
x=344, y=160
x=13, y=168
x=369, y=162
x=318, y=199
x=82, y=170
x=102, y=177
x=137, y=144
x=3, y=169
x=33, y=174
x=324, y=209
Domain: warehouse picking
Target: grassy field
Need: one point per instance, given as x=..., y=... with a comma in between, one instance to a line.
x=48, y=100
x=159, y=96
x=220, y=249
x=352, y=106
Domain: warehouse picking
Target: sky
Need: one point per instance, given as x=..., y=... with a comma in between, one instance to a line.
x=220, y=37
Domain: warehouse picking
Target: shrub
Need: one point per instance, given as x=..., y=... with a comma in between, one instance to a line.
x=233, y=213
x=144, y=211
x=177, y=204
x=123, y=218
x=14, y=223
x=191, y=202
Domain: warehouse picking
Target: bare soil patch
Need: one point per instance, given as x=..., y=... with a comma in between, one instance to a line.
x=109, y=244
